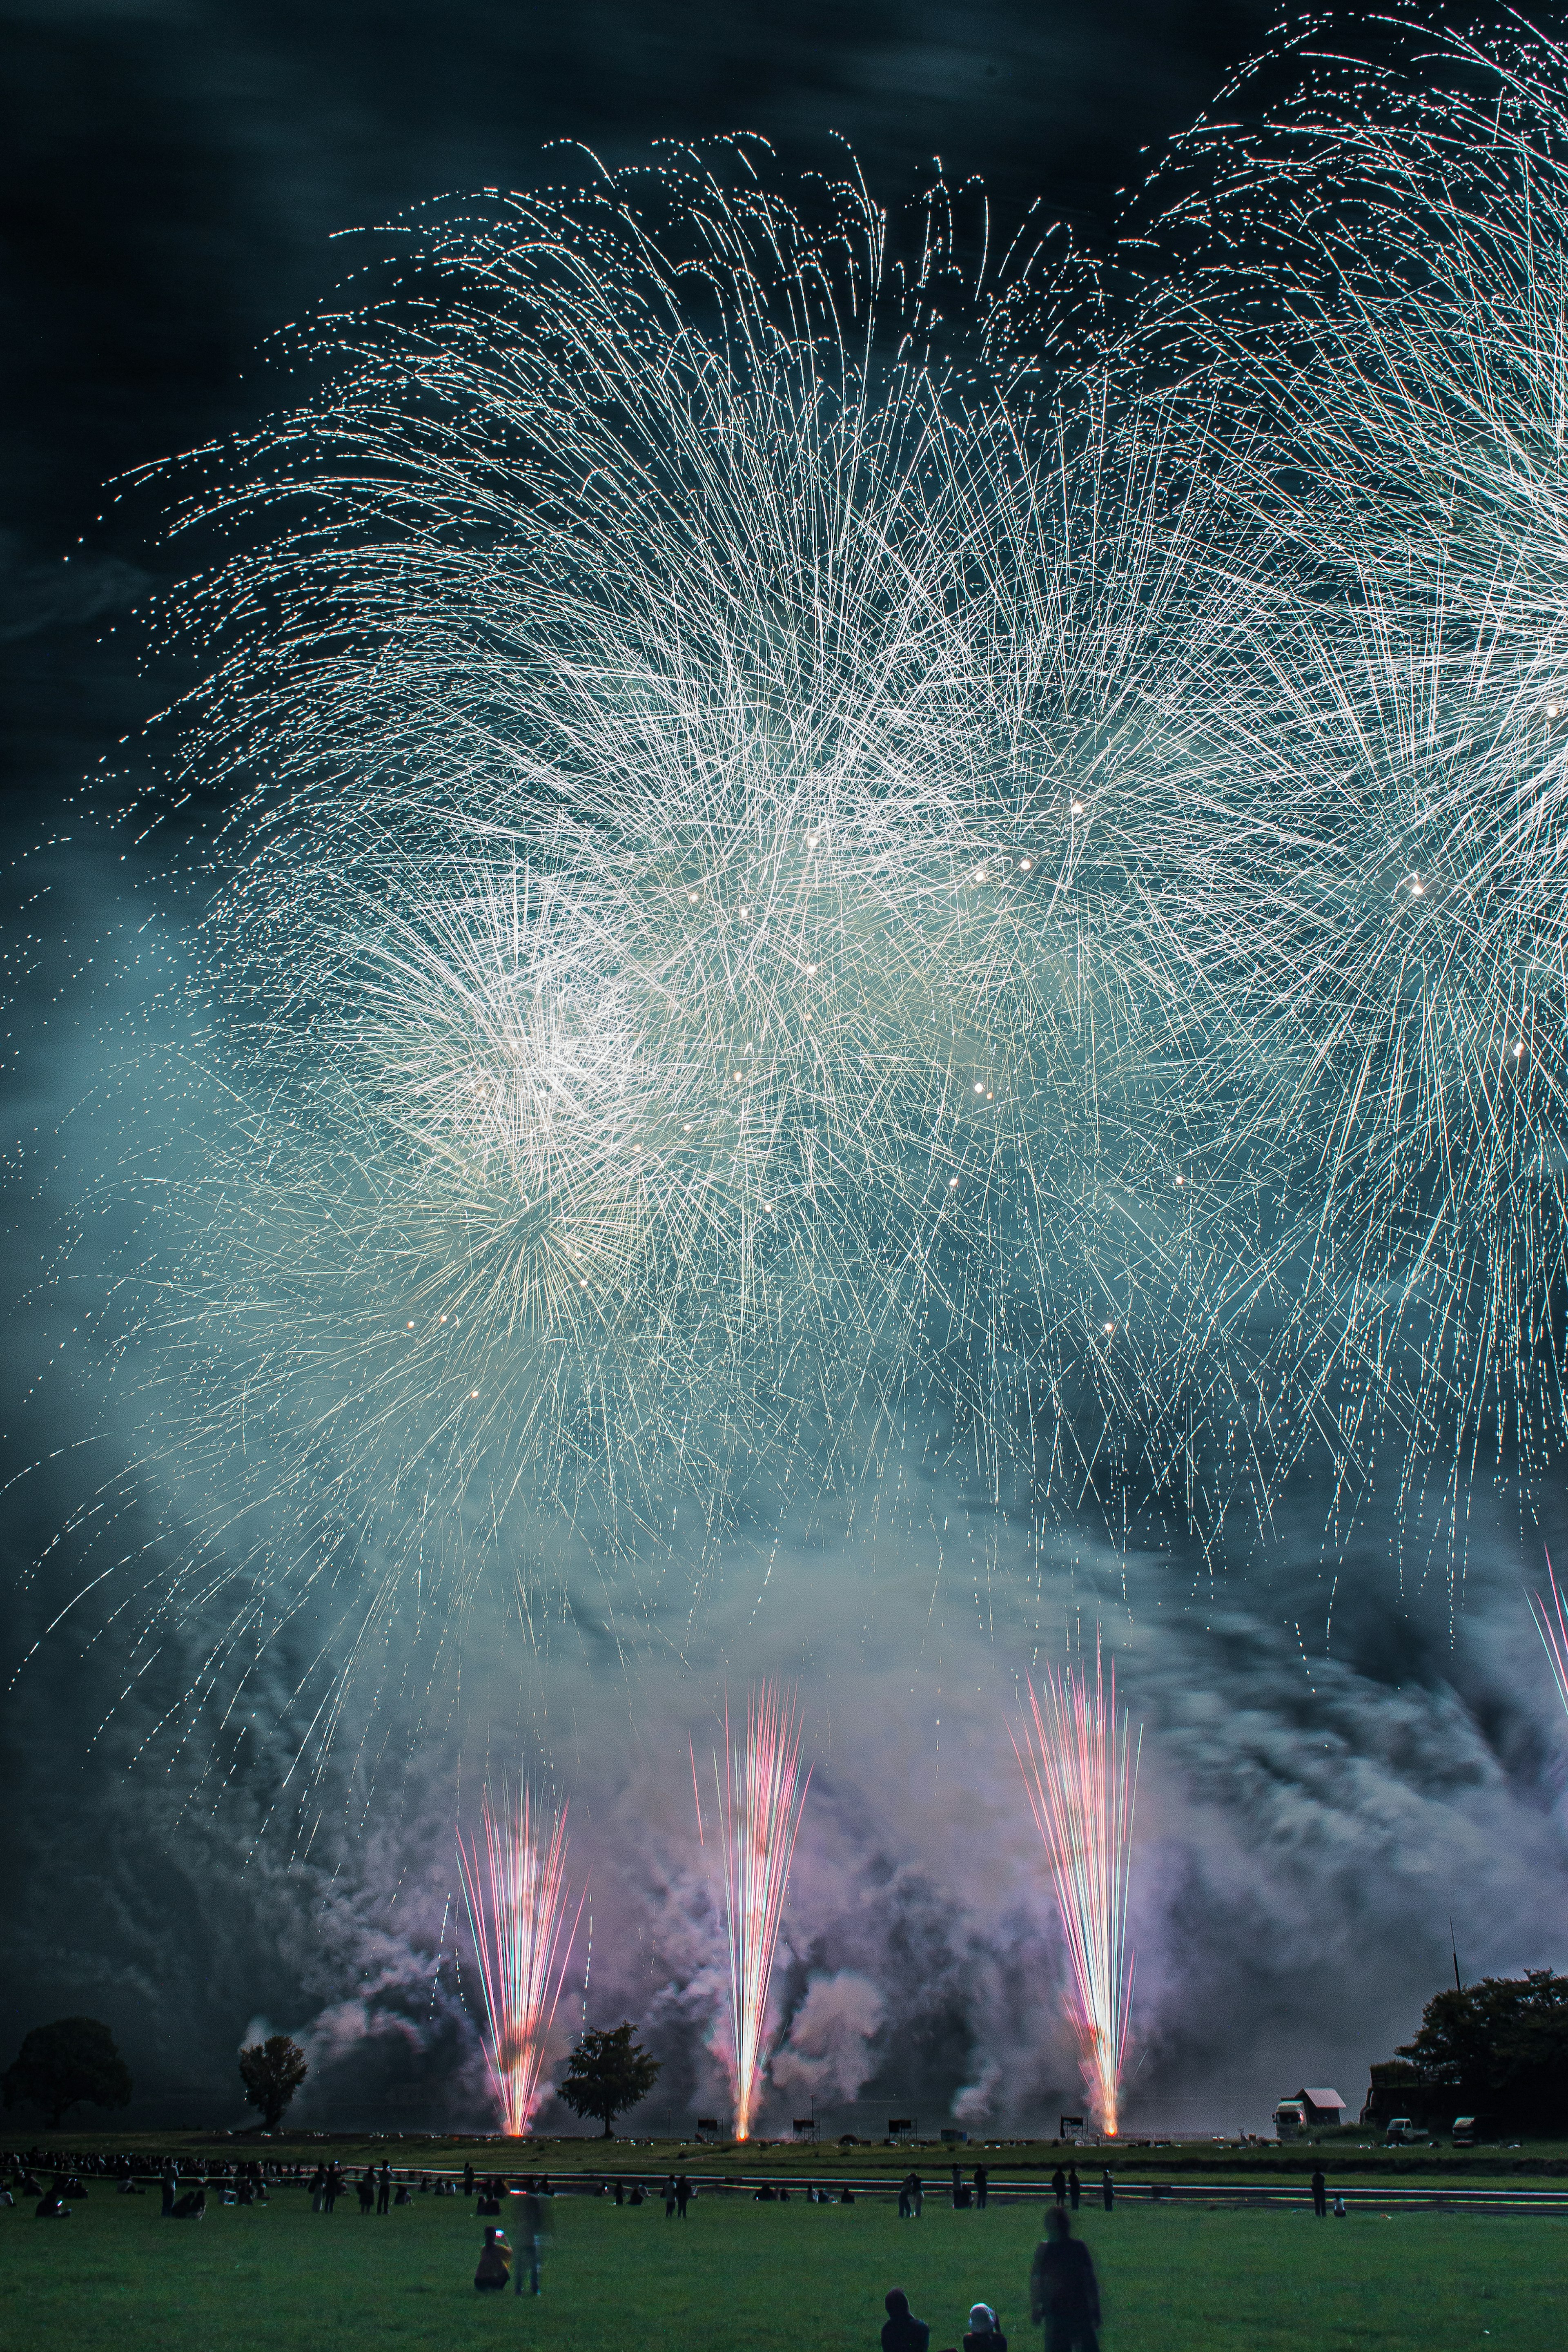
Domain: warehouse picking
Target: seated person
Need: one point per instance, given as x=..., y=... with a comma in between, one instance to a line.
x=495, y=2262
x=52, y=2207
x=488, y=2203
x=192, y=2206
x=636, y=2195
x=404, y=2194
x=984, y=2335
x=846, y=2195
x=901, y=2331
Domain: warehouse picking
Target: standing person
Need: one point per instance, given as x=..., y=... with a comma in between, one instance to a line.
x=1074, y=2187
x=1107, y=2189
x=530, y=2230
x=669, y=2196
x=383, y=2192
x=917, y=2195
x=682, y=2195
x=468, y=2180
x=318, y=2189
x=171, y=2182
x=1059, y=2186
x=1320, y=2194
x=982, y=2182
x=902, y=2332
x=1063, y=2291
x=903, y=2198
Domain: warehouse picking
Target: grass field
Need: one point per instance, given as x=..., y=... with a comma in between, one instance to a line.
x=790, y=2278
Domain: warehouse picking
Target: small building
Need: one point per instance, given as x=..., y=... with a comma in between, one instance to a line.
x=1305, y=2109
x=1322, y=2106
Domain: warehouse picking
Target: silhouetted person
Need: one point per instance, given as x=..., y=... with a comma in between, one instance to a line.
x=404, y=2194
x=51, y=2206
x=619, y=2193
x=192, y=2207
x=528, y=2229
x=682, y=2195
x=982, y=2182
x=1059, y=2186
x=846, y=2195
x=170, y=2181
x=495, y=2264
x=1062, y=2290
x=383, y=2188
x=902, y=2332
x=984, y=2335
x=1074, y=2187
x=1320, y=2194
x=367, y=2190
x=1107, y=2189
x=468, y=2180
x=669, y=2197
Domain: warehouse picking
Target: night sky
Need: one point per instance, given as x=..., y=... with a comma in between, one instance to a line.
x=1317, y=1802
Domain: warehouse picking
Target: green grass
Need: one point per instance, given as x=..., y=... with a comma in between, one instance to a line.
x=792, y=2278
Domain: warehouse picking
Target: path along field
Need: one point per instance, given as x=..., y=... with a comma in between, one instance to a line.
x=770, y=2278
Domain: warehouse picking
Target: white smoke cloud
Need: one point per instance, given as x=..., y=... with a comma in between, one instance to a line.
x=828, y=2053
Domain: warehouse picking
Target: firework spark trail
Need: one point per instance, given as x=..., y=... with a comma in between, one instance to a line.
x=1377, y=326
x=817, y=860
x=761, y=1796
x=1552, y=1624
x=724, y=968
x=515, y=1890
x=1080, y=1766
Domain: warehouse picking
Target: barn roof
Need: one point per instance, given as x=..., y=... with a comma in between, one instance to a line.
x=1322, y=2098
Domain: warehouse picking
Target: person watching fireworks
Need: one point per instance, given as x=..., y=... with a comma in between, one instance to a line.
x=1063, y=2291
x=902, y=2332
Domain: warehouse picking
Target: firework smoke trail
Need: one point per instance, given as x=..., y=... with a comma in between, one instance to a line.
x=761, y=1796
x=1080, y=1766
x=515, y=1890
x=1552, y=1624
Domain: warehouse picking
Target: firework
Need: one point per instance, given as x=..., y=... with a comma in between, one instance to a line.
x=1080, y=1764
x=514, y=1886
x=1552, y=1624
x=715, y=966
x=1376, y=328
x=760, y=1794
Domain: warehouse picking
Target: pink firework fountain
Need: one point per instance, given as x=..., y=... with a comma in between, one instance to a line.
x=1552, y=1624
x=515, y=1890
x=1080, y=1765
x=761, y=1796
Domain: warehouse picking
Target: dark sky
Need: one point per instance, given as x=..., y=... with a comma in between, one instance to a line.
x=173, y=172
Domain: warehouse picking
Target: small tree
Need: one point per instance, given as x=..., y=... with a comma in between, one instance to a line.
x=608, y=2072
x=75, y=2058
x=272, y=2070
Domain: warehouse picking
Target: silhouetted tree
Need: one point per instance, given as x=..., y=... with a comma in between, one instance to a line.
x=1503, y=2044
x=73, y=2059
x=272, y=2070
x=608, y=2072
